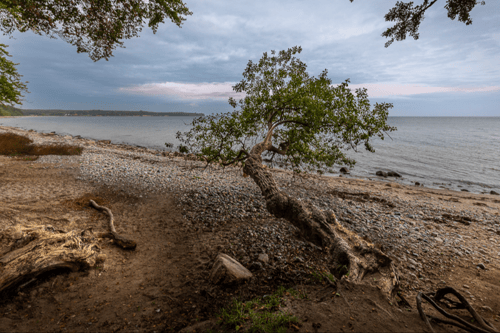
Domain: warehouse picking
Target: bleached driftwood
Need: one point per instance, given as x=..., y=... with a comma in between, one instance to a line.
x=27, y=252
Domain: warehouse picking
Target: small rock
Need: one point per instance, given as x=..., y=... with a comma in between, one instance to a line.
x=466, y=286
x=264, y=258
x=255, y=266
x=344, y=170
x=481, y=265
x=417, y=183
x=393, y=174
x=227, y=270
x=487, y=308
x=464, y=190
x=381, y=173
x=439, y=240
x=495, y=193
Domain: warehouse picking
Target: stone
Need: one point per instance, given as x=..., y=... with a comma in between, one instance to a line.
x=481, y=265
x=381, y=173
x=466, y=286
x=393, y=174
x=264, y=258
x=344, y=170
x=494, y=193
x=227, y=270
x=104, y=141
x=417, y=183
x=256, y=266
x=464, y=190
x=487, y=308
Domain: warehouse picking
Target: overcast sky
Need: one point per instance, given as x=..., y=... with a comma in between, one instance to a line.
x=452, y=70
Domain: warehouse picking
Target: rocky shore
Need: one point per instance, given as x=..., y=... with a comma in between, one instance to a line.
x=427, y=232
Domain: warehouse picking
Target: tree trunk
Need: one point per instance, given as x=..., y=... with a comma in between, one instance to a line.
x=343, y=246
x=25, y=253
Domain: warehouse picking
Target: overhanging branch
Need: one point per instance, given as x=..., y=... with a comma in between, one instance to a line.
x=238, y=158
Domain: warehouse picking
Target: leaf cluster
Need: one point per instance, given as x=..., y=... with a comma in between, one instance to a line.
x=93, y=26
x=408, y=17
x=299, y=121
x=11, y=86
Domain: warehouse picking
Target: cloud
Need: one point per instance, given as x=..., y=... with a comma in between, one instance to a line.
x=214, y=91
x=222, y=91
x=387, y=89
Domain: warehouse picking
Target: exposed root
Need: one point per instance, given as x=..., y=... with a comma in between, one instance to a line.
x=27, y=252
x=119, y=240
x=484, y=326
x=360, y=261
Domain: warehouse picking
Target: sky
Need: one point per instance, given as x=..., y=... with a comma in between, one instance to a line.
x=452, y=70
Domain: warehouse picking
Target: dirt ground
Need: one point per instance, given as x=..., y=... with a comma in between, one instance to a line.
x=163, y=285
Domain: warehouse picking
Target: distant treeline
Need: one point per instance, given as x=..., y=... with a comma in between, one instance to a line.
x=11, y=111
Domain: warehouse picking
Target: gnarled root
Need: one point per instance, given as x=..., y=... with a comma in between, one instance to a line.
x=360, y=260
x=354, y=258
x=27, y=252
x=119, y=240
x=484, y=326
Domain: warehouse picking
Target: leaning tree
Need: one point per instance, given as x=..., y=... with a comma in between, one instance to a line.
x=305, y=123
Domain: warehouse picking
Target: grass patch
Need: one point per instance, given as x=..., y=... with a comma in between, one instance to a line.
x=321, y=276
x=17, y=145
x=260, y=315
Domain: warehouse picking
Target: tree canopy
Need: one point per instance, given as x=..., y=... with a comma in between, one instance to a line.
x=93, y=26
x=408, y=17
x=302, y=122
x=11, y=85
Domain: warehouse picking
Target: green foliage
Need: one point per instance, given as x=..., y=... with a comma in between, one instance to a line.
x=343, y=270
x=183, y=149
x=320, y=276
x=409, y=17
x=95, y=27
x=258, y=315
x=303, y=122
x=10, y=111
x=11, y=85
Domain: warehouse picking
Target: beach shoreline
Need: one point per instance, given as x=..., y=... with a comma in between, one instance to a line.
x=433, y=235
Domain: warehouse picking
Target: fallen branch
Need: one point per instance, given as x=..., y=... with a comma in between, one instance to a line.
x=485, y=327
x=120, y=240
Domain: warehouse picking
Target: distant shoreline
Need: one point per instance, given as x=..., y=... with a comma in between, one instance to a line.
x=11, y=111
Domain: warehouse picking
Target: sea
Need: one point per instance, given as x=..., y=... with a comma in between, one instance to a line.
x=456, y=153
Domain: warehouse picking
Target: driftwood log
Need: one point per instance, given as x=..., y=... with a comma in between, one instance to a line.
x=27, y=252
x=112, y=234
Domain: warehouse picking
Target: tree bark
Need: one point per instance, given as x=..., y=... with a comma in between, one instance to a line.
x=343, y=246
x=25, y=253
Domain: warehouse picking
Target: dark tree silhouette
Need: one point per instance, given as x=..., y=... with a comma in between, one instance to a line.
x=409, y=16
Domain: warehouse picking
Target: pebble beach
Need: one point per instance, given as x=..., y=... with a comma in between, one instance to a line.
x=424, y=230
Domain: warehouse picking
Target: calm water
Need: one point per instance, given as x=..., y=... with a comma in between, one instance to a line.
x=451, y=152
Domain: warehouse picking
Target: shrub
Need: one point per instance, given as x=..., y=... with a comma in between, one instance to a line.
x=17, y=145
x=183, y=149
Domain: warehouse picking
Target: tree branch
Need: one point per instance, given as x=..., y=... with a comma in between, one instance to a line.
x=237, y=158
x=277, y=150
